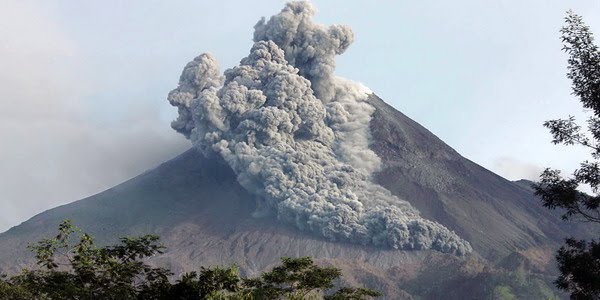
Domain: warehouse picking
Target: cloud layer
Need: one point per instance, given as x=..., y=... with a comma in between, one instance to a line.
x=297, y=136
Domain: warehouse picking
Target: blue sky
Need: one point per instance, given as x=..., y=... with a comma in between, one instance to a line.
x=83, y=83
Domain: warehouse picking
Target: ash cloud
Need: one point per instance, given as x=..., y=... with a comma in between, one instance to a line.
x=297, y=136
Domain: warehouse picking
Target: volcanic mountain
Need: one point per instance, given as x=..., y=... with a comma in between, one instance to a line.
x=205, y=217
x=290, y=160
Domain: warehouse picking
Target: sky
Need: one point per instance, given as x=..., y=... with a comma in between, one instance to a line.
x=83, y=84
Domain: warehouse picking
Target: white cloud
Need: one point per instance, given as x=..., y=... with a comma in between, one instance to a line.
x=514, y=169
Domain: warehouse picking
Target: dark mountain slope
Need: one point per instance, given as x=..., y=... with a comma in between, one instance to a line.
x=496, y=215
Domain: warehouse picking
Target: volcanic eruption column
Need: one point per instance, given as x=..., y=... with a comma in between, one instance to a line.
x=298, y=137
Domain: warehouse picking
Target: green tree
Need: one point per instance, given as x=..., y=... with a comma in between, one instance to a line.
x=296, y=278
x=350, y=293
x=72, y=267
x=578, y=260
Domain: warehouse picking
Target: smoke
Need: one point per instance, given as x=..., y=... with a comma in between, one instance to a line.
x=200, y=74
x=307, y=46
x=298, y=137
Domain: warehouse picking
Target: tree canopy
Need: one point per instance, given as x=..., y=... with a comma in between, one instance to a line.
x=578, y=260
x=71, y=266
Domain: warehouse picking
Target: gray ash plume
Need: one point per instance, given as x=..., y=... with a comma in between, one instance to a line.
x=298, y=137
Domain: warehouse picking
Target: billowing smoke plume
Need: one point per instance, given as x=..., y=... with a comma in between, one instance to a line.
x=298, y=137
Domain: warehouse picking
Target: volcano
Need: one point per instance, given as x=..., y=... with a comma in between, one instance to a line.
x=204, y=217
x=289, y=160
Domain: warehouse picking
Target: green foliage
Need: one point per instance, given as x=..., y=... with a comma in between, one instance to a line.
x=503, y=292
x=72, y=267
x=584, y=62
x=9, y=290
x=353, y=294
x=210, y=283
x=485, y=284
x=578, y=261
x=295, y=277
x=579, y=265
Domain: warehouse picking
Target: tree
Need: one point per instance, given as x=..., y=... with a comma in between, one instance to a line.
x=296, y=278
x=578, y=260
x=72, y=267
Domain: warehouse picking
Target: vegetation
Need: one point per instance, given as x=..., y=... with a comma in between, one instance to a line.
x=578, y=260
x=477, y=279
x=72, y=267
